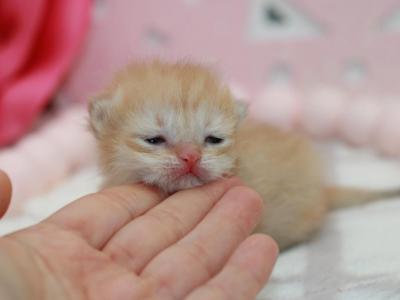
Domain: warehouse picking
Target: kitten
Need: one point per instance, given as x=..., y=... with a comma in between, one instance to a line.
x=176, y=126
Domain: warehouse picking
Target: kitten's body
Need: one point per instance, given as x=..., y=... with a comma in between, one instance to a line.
x=192, y=112
x=286, y=171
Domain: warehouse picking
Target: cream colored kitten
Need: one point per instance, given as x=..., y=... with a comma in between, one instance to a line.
x=176, y=126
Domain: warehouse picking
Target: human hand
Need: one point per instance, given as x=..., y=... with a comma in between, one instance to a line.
x=5, y=193
x=126, y=243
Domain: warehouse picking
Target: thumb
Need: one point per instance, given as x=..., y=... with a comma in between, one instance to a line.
x=5, y=192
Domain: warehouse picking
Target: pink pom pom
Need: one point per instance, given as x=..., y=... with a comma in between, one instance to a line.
x=360, y=120
x=388, y=133
x=278, y=105
x=48, y=163
x=321, y=112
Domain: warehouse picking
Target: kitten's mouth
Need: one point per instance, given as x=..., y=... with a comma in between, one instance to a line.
x=195, y=172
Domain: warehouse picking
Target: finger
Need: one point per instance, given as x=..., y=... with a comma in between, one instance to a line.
x=138, y=242
x=97, y=217
x=245, y=273
x=202, y=253
x=5, y=193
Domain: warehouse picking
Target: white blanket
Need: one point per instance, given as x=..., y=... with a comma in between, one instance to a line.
x=355, y=256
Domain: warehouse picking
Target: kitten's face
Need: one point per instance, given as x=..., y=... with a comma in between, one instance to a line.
x=171, y=126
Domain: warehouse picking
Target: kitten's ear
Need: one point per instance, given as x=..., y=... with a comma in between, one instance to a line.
x=241, y=108
x=101, y=110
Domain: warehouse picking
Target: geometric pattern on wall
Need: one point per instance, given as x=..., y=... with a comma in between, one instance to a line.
x=277, y=19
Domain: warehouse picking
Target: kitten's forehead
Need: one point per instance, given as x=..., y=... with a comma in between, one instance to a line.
x=182, y=102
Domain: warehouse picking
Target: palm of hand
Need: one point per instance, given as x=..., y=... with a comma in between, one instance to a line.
x=124, y=244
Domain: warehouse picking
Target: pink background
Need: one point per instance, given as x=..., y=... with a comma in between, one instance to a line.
x=353, y=45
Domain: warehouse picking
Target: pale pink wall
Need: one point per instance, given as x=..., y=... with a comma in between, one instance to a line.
x=311, y=50
x=345, y=31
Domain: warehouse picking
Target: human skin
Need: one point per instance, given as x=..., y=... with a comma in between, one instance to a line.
x=129, y=242
x=5, y=193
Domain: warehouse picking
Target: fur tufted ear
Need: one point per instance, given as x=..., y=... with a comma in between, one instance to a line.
x=241, y=108
x=101, y=110
x=99, y=113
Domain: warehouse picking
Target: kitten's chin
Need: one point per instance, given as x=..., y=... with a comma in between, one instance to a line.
x=183, y=183
x=171, y=183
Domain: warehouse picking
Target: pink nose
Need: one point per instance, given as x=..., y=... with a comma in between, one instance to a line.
x=188, y=153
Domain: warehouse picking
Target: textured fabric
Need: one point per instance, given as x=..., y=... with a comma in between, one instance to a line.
x=38, y=41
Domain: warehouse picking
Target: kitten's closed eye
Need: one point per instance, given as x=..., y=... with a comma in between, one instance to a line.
x=213, y=140
x=157, y=140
